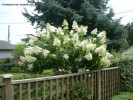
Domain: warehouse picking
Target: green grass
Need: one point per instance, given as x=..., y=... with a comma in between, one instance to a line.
x=26, y=75
x=18, y=75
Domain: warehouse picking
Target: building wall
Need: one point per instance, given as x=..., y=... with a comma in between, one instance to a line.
x=5, y=54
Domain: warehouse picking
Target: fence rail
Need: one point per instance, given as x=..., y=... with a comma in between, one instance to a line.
x=103, y=84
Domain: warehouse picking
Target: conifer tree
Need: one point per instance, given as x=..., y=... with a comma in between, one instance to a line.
x=92, y=13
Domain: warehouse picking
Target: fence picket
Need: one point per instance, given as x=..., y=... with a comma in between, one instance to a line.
x=50, y=89
x=29, y=94
x=36, y=91
x=104, y=84
x=57, y=91
x=20, y=92
x=68, y=88
x=44, y=90
x=62, y=89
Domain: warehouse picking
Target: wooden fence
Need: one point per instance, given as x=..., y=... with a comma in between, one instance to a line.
x=103, y=84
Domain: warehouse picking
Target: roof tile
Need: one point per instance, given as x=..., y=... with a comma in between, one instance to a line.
x=4, y=45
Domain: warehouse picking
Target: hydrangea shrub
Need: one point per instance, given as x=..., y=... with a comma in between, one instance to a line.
x=66, y=49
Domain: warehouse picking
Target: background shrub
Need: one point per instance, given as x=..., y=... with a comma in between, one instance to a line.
x=9, y=65
x=125, y=64
x=81, y=91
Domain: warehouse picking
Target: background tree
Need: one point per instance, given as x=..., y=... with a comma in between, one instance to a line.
x=92, y=13
x=18, y=51
x=129, y=28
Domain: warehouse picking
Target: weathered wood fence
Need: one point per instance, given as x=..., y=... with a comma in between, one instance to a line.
x=103, y=84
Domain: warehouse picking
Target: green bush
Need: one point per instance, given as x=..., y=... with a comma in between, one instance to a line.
x=18, y=51
x=9, y=65
x=126, y=66
x=47, y=72
x=62, y=48
x=81, y=91
x=16, y=69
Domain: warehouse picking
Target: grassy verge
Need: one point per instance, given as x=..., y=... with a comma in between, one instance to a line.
x=26, y=75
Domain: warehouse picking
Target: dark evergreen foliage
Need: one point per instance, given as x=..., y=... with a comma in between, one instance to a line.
x=92, y=13
x=129, y=28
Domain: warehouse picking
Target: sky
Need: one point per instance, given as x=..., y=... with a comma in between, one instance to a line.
x=12, y=15
x=19, y=27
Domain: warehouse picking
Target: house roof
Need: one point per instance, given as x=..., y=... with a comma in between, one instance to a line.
x=129, y=51
x=4, y=45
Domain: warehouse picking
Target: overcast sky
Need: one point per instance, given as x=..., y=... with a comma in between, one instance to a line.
x=11, y=15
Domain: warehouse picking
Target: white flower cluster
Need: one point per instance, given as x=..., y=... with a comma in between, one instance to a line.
x=101, y=50
x=27, y=59
x=65, y=45
x=32, y=40
x=65, y=56
x=45, y=52
x=56, y=42
x=66, y=39
x=32, y=50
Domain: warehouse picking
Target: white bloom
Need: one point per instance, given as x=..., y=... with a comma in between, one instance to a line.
x=37, y=49
x=94, y=31
x=66, y=56
x=44, y=31
x=32, y=50
x=83, y=29
x=41, y=33
x=88, y=71
x=77, y=44
x=66, y=39
x=88, y=56
x=94, y=39
x=47, y=35
x=109, y=55
x=90, y=46
x=56, y=42
x=30, y=66
x=27, y=51
x=105, y=62
x=75, y=26
x=71, y=33
x=83, y=44
x=38, y=32
x=20, y=63
x=102, y=36
x=51, y=28
x=32, y=40
x=22, y=58
x=103, y=40
x=45, y=52
x=27, y=58
x=65, y=23
x=60, y=31
x=78, y=59
x=101, y=50
x=75, y=37
x=30, y=59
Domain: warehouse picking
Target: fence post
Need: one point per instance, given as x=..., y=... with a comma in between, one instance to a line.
x=8, y=86
x=99, y=84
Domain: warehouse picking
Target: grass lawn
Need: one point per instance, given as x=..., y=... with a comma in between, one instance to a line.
x=26, y=75
x=18, y=75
